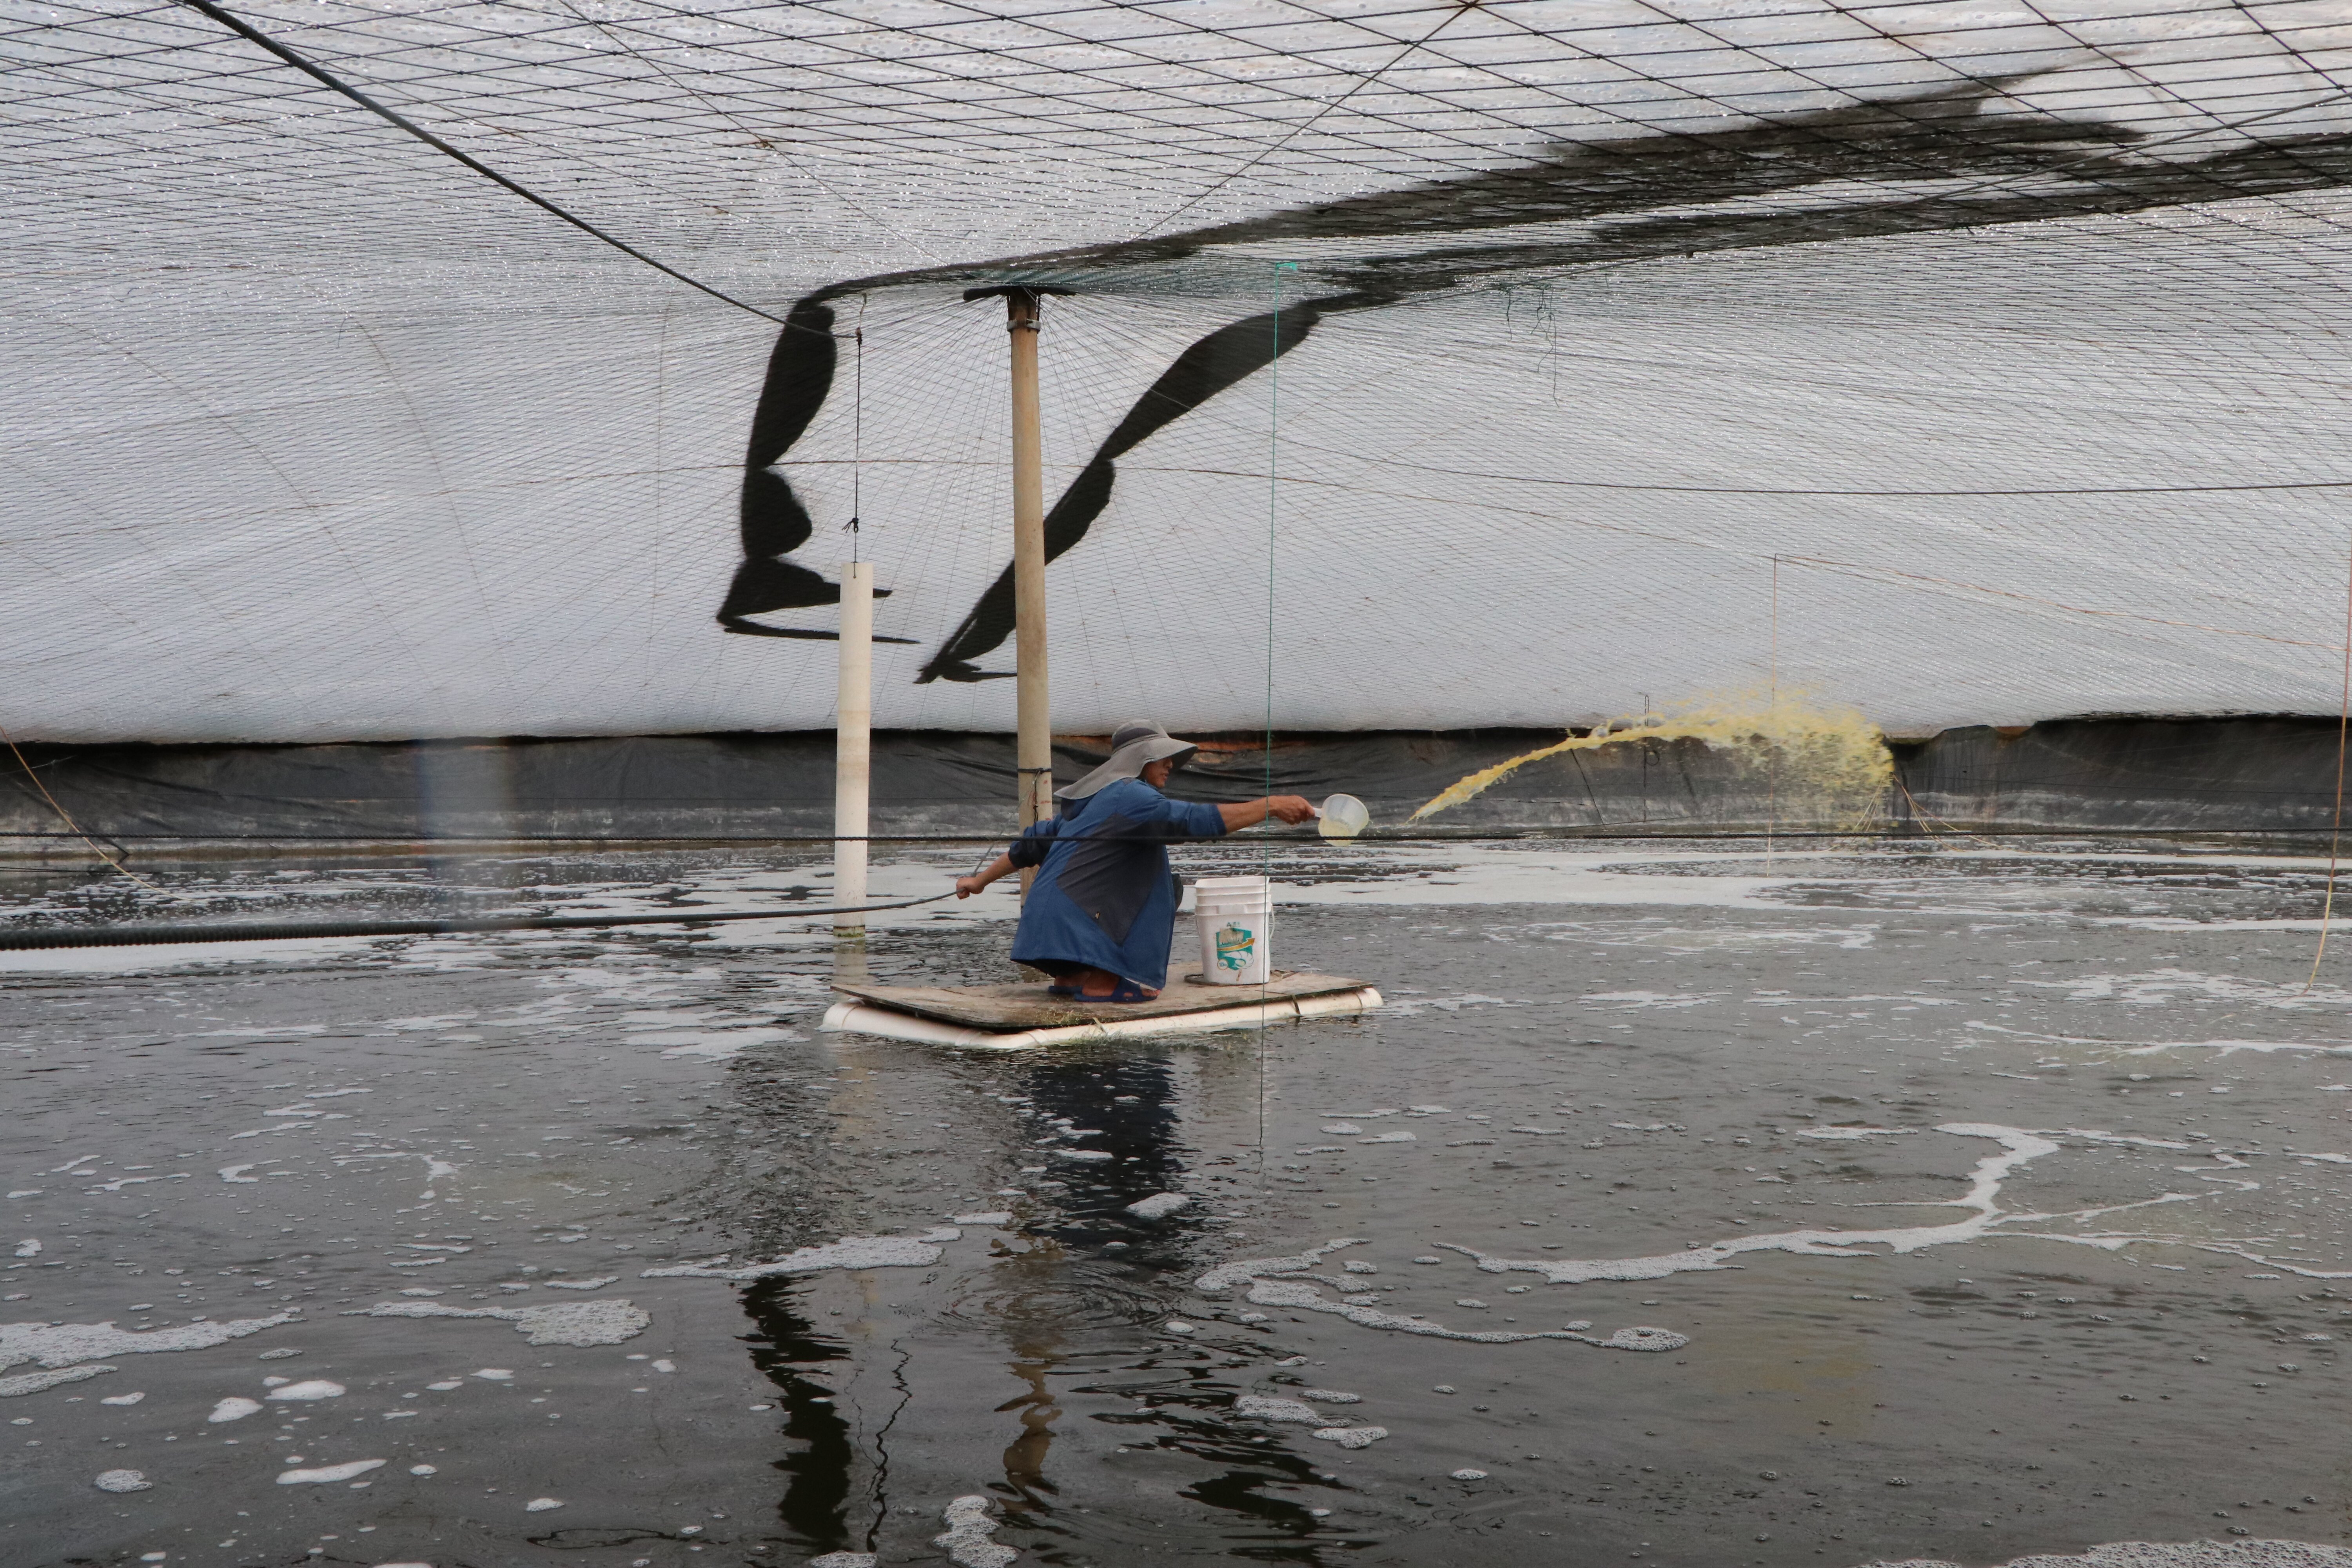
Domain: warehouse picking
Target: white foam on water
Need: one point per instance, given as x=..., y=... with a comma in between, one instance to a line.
x=1159, y=1205
x=845, y=1560
x=2169, y=987
x=598, y=1283
x=1479, y=876
x=62, y=1344
x=186, y=954
x=122, y=1398
x=993, y=1218
x=1330, y=1395
x=35, y=1382
x=314, y=1388
x=1350, y=1437
x=236, y=1407
x=2117, y=1050
x=328, y=1474
x=435, y=1169
x=1303, y=1296
x=1843, y=1134
x=1632, y=1000
x=541, y=1504
x=1259, y=1408
x=121, y=1482
x=969, y=1524
x=28, y=1248
x=2020, y=1147
x=578, y=1324
x=234, y=1173
x=850, y=1252
x=2175, y=1554
x=1468, y=1475
x=717, y=1044
x=1226, y=1276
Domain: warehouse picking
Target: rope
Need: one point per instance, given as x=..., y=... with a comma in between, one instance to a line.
x=2336, y=831
x=66, y=817
x=281, y=931
x=1632, y=832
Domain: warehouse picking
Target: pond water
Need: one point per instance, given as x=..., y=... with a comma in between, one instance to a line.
x=1682, y=1205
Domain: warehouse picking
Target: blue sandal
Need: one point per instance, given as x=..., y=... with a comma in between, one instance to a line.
x=1126, y=993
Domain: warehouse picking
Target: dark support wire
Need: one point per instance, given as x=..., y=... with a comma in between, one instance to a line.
x=255, y=35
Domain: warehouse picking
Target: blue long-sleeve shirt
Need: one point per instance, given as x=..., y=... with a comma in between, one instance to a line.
x=1103, y=896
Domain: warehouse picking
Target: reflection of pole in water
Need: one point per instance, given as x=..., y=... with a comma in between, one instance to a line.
x=465, y=790
x=849, y=965
x=841, y=1392
x=1024, y=1460
x=815, y=1508
x=1124, y=1109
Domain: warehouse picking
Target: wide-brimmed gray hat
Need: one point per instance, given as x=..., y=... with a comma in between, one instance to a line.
x=1133, y=747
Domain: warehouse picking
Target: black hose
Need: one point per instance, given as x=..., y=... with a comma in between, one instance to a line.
x=280, y=930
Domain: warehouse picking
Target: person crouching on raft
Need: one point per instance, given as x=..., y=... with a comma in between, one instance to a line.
x=1103, y=906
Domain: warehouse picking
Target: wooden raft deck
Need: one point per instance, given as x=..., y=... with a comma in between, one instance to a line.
x=1018, y=1017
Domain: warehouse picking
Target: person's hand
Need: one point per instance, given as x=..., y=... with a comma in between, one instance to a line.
x=967, y=886
x=1290, y=807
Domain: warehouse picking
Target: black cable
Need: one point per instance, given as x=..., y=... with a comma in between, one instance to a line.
x=253, y=35
x=280, y=930
x=1465, y=836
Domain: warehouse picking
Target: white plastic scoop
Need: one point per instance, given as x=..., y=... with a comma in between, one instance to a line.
x=1342, y=816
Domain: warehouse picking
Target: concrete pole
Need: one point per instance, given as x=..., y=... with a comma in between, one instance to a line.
x=1033, y=745
x=852, y=746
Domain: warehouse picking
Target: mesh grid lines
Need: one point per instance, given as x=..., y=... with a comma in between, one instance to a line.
x=2012, y=331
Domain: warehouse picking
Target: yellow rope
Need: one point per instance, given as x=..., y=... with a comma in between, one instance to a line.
x=65, y=817
x=2335, y=833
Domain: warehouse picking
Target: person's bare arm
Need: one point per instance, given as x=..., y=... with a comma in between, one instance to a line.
x=1002, y=865
x=1249, y=814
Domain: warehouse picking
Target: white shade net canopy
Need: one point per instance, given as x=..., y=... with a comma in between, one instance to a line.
x=392, y=371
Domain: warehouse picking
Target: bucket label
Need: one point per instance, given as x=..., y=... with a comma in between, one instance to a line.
x=1234, y=945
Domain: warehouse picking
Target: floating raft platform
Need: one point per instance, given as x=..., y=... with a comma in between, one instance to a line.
x=1023, y=1017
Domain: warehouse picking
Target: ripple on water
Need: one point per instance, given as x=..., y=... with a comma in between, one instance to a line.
x=1075, y=1297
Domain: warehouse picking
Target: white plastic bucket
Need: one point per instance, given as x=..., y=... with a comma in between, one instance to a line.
x=1235, y=916
x=1236, y=945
